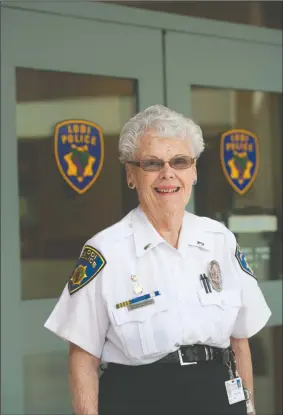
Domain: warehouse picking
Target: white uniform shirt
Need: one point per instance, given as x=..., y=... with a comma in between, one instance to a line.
x=182, y=314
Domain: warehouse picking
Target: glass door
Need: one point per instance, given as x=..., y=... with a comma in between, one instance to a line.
x=55, y=69
x=227, y=84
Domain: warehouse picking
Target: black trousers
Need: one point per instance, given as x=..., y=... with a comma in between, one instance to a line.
x=166, y=389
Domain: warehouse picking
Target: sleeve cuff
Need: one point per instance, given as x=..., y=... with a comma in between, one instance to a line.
x=256, y=325
x=73, y=338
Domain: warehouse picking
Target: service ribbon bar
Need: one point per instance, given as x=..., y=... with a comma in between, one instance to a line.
x=138, y=299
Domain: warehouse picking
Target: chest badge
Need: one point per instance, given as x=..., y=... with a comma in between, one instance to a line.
x=214, y=274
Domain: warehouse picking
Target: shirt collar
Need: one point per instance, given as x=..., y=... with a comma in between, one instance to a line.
x=146, y=236
x=194, y=234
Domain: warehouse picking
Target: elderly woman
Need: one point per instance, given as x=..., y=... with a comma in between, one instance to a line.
x=163, y=300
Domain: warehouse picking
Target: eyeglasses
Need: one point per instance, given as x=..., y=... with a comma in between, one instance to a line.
x=177, y=163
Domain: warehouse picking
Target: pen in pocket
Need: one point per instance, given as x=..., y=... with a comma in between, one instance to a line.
x=205, y=283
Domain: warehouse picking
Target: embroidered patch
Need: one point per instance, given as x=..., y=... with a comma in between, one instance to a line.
x=88, y=266
x=240, y=256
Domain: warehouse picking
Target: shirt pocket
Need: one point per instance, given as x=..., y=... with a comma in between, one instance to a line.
x=219, y=311
x=143, y=331
x=225, y=299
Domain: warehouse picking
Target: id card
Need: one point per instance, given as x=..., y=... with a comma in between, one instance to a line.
x=235, y=390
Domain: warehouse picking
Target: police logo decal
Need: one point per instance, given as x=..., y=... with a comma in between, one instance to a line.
x=215, y=277
x=239, y=154
x=242, y=260
x=91, y=262
x=79, y=152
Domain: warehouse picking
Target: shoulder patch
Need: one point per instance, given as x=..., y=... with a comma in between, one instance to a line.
x=240, y=256
x=88, y=266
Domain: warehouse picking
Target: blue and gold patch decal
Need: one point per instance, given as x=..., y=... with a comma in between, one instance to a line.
x=239, y=154
x=91, y=262
x=79, y=152
x=240, y=256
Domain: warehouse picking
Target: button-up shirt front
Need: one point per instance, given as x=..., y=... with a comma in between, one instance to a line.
x=184, y=313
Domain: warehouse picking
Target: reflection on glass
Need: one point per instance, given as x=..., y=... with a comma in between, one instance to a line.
x=266, y=349
x=55, y=221
x=256, y=216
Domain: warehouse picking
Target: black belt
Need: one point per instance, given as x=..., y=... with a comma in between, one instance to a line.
x=188, y=355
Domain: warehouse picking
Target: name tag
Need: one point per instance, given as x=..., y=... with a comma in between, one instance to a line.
x=139, y=305
x=235, y=390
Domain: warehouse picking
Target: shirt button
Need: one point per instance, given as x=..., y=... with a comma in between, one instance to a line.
x=130, y=225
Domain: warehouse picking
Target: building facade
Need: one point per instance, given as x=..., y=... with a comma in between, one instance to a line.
x=102, y=63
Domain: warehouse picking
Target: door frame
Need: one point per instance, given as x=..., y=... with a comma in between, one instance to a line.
x=151, y=19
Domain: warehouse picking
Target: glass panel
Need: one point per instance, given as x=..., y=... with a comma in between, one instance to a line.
x=266, y=349
x=46, y=385
x=55, y=221
x=255, y=13
x=256, y=216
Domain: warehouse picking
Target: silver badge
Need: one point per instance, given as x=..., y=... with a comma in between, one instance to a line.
x=215, y=277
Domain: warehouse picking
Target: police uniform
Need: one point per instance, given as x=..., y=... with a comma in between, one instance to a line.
x=134, y=301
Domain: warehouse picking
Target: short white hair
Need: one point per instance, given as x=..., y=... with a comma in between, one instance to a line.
x=165, y=123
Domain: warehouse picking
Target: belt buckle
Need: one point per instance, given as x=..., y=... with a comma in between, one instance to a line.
x=182, y=363
x=208, y=353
